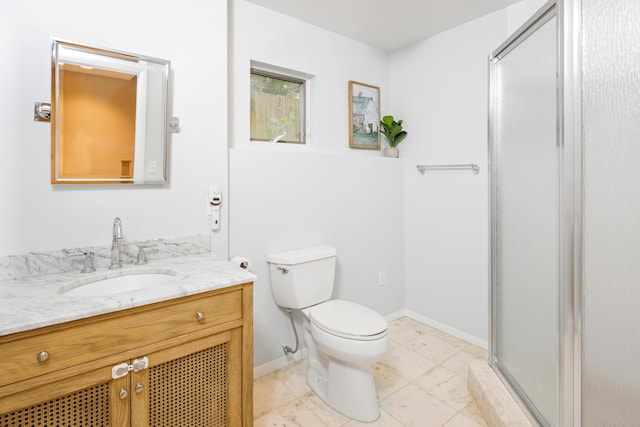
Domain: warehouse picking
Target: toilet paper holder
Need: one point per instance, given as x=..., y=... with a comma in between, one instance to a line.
x=241, y=262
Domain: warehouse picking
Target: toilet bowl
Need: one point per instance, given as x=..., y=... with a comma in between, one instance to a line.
x=340, y=364
x=343, y=338
x=340, y=367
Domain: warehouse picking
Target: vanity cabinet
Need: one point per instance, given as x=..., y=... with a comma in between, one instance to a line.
x=183, y=362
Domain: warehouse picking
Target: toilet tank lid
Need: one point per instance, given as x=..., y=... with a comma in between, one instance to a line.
x=299, y=256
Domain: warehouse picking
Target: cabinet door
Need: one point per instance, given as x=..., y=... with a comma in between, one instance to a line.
x=88, y=399
x=191, y=384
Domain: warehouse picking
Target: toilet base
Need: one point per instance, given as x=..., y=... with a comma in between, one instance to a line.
x=348, y=389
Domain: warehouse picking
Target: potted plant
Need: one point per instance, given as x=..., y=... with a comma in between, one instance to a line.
x=394, y=134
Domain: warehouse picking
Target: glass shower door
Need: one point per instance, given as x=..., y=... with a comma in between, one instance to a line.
x=525, y=216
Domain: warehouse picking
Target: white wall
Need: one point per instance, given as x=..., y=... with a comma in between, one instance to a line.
x=262, y=35
x=440, y=88
x=37, y=216
x=287, y=197
x=519, y=13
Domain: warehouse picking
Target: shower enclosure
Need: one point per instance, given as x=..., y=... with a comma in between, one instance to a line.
x=565, y=224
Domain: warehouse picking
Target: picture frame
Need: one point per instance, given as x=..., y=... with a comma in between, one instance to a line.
x=364, y=116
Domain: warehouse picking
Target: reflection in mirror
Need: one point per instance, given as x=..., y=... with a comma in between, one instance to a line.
x=109, y=116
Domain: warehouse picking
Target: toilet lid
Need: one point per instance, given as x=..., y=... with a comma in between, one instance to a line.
x=346, y=318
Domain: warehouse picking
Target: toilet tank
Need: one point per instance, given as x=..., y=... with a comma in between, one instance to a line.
x=302, y=277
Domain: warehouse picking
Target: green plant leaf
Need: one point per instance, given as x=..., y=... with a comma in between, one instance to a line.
x=392, y=130
x=400, y=137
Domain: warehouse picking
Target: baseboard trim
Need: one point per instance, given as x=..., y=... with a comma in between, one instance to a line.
x=281, y=362
x=441, y=326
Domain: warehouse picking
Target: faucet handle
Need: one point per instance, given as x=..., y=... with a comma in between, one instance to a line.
x=142, y=257
x=88, y=261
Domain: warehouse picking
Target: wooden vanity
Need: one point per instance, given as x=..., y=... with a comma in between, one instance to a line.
x=182, y=362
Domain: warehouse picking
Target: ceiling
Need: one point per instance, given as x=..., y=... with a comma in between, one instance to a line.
x=385, y=24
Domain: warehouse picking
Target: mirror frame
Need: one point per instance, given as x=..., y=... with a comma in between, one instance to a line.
x=139, y=62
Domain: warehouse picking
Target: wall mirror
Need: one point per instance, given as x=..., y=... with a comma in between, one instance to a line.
x=108, y=116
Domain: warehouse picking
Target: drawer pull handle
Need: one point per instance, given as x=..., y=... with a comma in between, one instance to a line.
x=200, y=315
x=42, y=356
x=123, y=394
x=139, y=388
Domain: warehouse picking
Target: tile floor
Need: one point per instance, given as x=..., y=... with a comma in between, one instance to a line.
x=421, y=381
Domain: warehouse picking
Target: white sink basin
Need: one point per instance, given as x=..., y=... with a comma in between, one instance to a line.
x=116, y=282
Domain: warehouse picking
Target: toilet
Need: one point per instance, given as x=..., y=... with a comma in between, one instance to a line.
x=343, y=338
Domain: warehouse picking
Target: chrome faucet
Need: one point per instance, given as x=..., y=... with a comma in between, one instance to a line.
x=88, y=261
x=115, y=249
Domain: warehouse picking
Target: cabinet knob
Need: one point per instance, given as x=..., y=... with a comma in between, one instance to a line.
x=123, y=394
x=139, y=388
x=42, y=356
x=200, y=315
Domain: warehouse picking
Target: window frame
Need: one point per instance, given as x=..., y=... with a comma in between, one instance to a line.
x=303, y=79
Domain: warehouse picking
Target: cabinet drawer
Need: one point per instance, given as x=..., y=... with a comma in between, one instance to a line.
x=93, y=338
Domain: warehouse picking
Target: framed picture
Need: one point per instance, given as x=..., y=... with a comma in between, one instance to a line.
x=364, y=116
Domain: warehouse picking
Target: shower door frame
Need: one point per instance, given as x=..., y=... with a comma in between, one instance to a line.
x=569, y=141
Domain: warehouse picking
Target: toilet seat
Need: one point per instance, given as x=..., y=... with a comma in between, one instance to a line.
x=347, y=320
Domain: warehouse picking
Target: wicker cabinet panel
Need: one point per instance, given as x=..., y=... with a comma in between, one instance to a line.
x=190, y=390
x=88, y=407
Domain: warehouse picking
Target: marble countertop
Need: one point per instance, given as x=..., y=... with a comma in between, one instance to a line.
x=41, y=301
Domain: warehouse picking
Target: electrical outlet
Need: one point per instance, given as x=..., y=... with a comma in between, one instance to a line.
x=382, y=278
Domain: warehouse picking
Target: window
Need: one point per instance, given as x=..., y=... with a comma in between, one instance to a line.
x=277, y=107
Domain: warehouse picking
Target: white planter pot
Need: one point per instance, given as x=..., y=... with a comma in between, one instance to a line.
x=391, y=152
